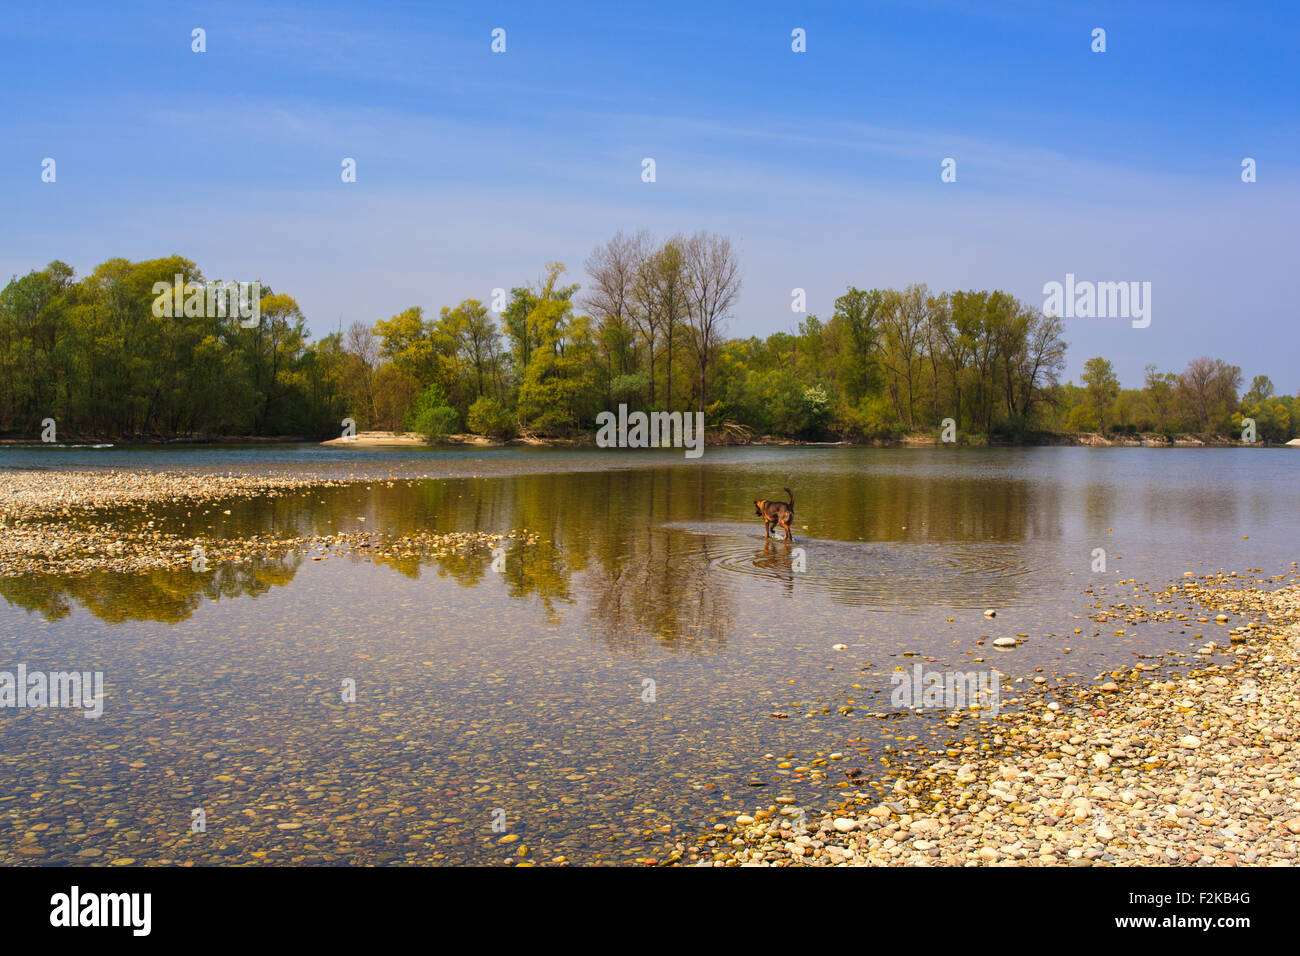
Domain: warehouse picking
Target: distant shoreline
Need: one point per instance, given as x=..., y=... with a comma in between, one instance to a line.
x=714, y=438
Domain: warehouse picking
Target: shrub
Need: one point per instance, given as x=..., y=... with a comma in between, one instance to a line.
x=630, y=389
x=816, y=412
x=1015, y=428
x=872, y=417
x=431, y=416
x=1082, y=419
x=488, y=417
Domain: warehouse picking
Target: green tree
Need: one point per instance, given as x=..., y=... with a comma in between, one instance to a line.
x=487, y=416
x=1261, y=387
x=431, y=416
x=1101, y=388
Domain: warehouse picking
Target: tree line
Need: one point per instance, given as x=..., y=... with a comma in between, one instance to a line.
x=648, y=329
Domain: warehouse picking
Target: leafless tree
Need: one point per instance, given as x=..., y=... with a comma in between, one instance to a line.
x=659, y=304
x=1209, y=388
x=613, y=269
x=712, y=273
x=1042, y=358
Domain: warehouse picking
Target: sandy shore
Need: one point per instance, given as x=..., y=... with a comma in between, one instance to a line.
x=1200, y=769
x=412, y=439
x=377, y=440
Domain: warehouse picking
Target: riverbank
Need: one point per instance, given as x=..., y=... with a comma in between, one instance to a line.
x=714, y=436
x=73, y=441
x=377, y=439
x=1199, y=769
x=733, y=436
x=730, y=437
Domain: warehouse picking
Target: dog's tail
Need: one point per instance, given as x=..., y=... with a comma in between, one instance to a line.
x=791, y=494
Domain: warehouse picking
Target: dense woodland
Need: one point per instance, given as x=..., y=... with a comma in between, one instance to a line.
x=647, y=328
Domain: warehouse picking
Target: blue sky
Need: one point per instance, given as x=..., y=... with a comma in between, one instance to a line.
x=474, y=169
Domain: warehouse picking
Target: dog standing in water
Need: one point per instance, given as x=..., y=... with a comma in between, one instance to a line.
x=779, y=513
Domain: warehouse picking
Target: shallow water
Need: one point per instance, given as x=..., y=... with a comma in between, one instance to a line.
x=522, y=693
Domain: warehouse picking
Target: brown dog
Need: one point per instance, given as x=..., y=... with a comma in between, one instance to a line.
x=778, y=513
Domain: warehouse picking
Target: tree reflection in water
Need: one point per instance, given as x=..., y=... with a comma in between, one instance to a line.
x=656, y=556
x=156, y=595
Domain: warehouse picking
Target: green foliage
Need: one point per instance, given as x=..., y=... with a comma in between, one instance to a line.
x=93, y=355
x=1013, y=428
x=1101, y=388
x=431, y=416
x=855, y=333
x=558, y=389
x=90, y=353
x=632, y=390
x=870, y=419
x=1277, y=419
x=816, y=411
x=487, y=416
x=551, y=394
x=1083, y=418
x=1261, y=388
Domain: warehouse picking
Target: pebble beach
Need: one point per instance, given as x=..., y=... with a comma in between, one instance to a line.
x=34, y=503
x=1197, y=770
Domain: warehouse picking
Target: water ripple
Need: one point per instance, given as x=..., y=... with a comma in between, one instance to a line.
x=870, y=573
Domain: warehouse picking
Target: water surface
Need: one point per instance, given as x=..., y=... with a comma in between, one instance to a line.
x=521, y=696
